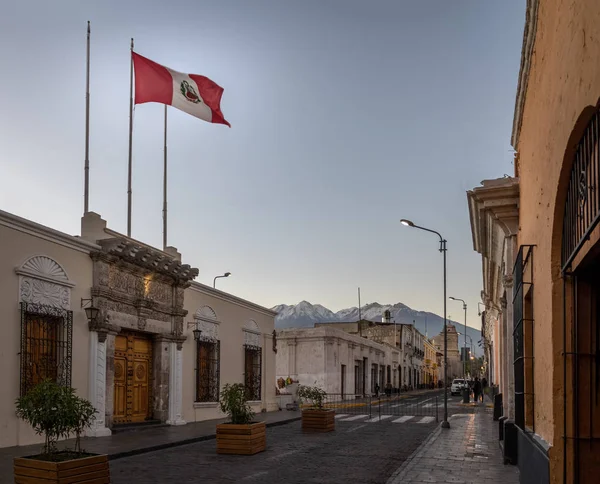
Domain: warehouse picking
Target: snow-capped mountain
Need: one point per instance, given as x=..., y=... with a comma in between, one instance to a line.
x=305, y=315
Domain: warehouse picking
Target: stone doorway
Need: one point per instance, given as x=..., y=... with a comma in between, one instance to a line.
x=132, y=378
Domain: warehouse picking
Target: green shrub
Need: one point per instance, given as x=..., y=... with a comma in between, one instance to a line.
x=55, y=411
x=233, y=403
x=313, y=394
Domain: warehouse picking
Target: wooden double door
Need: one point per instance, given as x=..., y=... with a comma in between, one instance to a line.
x=133, y=378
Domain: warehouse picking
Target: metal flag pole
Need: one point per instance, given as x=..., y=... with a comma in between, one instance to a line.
x=165, y=187
x=86, y=170
x=130, y=142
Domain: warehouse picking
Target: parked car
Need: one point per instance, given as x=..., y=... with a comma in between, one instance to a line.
x=458, y=384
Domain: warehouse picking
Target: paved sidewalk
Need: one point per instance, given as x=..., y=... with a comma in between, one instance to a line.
x=140, y=441
x=467, y=453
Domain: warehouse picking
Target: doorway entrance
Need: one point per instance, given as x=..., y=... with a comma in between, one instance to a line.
x=132, y=377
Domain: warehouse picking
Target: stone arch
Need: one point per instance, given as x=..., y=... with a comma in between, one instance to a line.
x=42, y=280
x=206, y=321
x=206, y=312
x=252, y=333
x=46, y=268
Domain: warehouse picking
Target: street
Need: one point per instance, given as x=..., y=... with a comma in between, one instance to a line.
x=361, y=450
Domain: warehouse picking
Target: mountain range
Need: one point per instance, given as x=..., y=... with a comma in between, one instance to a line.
x=305, y=315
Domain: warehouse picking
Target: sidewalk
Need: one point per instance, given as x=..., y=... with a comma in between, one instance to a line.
x=134, y=442
x=467, y=453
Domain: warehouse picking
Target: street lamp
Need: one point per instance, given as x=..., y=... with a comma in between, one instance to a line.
x=227, y=274
x=465, y=356
x=443, y=250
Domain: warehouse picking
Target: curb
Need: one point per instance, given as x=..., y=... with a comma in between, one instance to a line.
x=400, y=473
x=193, y=440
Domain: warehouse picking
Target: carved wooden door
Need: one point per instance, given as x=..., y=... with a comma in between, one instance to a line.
x=133, y=368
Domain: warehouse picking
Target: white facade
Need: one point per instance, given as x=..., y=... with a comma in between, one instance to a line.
x=337, y=362
x=144, y=296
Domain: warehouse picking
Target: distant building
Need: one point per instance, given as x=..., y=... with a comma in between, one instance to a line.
x=454, y=363
x=336, y=361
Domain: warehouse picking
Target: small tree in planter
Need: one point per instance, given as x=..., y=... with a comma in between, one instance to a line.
x=241, y=435
x=316, y=418
x=57, y=412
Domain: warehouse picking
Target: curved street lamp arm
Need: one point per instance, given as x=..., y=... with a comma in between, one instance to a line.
x=429, y=230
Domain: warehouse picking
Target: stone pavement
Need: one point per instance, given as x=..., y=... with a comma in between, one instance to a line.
x=467, y=453
x=140, y=441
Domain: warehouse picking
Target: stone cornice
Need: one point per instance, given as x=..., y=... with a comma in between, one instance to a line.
x=41, y=231
x=529, y=34
x=224, y=296
x=155, y=261
x=494, y=203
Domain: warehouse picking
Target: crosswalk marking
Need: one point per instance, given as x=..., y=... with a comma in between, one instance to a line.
x=378, y=419
x=341, y=415
x=355, y=417
x=402, y=419
x=426, y=420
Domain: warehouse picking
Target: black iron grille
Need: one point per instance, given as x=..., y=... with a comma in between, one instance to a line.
x=46, y=345
x=252, y=374
x=207, y=370
x=582, y=207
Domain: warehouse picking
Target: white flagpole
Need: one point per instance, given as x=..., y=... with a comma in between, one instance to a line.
x=165, y=186
x=86, y=186
x=130, y=141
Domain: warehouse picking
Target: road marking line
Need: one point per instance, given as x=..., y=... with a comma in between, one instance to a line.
x=379, y=419
x=341, y=415
x=352, y=429
x=428, y=400
x=355, y=417
x=403, y=419
x=426, y=420
x=284, y=454
x=429, y=405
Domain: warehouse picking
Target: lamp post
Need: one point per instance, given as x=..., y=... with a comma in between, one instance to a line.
x=465, y=395
x=472, y=346
x=443, y=250
x=227, y=274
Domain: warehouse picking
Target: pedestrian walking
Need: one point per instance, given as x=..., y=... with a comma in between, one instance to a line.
x=476, y=389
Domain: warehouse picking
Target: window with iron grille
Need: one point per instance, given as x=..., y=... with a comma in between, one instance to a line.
x=523, y=338
x=207, y=370
x=252, y=373
x=46, y=345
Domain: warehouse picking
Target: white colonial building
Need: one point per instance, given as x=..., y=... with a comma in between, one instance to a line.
x=158, y=346
x=336, y=361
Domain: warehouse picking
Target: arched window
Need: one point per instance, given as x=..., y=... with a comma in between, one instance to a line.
x=208, y=360
x=46, y=322
x=252, y=360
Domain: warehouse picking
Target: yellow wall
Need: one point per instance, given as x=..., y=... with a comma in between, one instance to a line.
x=564, y=80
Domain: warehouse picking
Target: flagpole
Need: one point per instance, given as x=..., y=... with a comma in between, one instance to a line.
x=86, y=186
x=130, y=142
x=165, y=187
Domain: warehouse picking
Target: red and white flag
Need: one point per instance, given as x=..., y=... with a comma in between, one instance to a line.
x=193, y=94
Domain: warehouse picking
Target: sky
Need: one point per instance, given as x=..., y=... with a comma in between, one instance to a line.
x=346, y=116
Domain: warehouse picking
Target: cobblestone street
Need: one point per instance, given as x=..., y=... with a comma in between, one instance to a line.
x=355, y=452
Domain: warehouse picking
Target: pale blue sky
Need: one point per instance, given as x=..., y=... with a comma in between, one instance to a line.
x=346, y=116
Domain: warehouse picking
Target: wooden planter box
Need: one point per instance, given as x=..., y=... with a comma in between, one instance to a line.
x=89, y=470
x=241, y=439
x=318, y=420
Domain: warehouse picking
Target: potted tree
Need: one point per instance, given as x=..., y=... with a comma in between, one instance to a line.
x=56, y=411
x=241, y=435
x=316, y=418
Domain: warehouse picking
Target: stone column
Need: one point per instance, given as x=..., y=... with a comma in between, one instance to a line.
x=97, y=384
x=175, y=384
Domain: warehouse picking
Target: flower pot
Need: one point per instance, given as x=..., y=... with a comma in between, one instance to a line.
x=246, y=439
x=92, y=468
x=314, y=420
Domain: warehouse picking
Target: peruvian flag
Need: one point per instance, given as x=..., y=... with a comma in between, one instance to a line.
x=193, y=94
